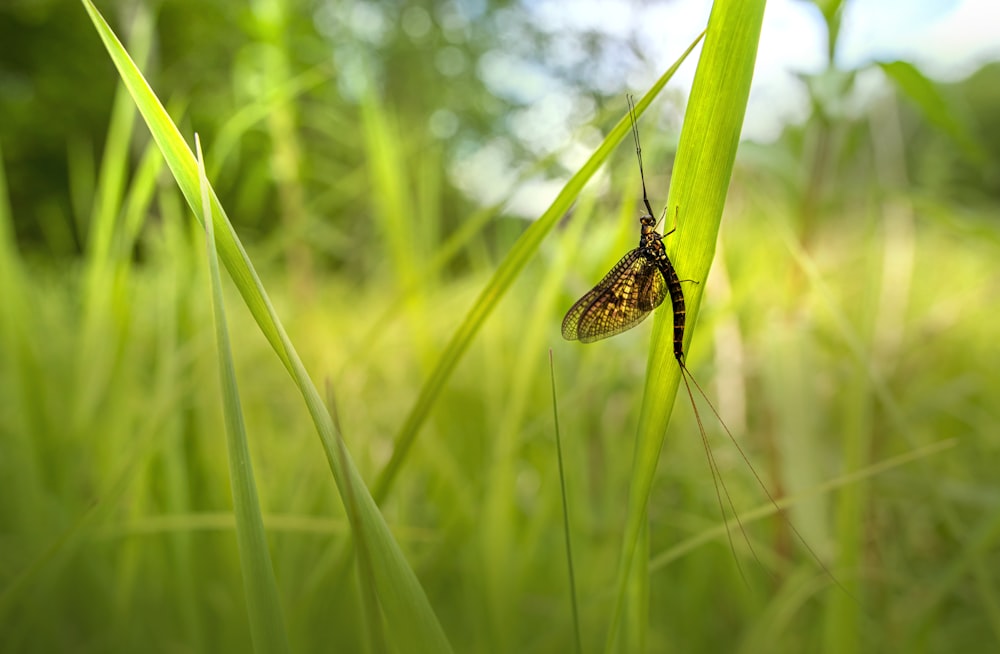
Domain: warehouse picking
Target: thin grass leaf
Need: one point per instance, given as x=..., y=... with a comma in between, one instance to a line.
x=704, y=164
x=506, y=273
x=635, y=637
x=371, y=614
x=102, y=301
x=444, y=254
x=565, y=509
x=404, y=602
x=114, y=162
x=936, y=107
x=140, y=196
x=393, y=202
x=15, y=339
x=278, y=93
x=267, y=623
x=11, y=274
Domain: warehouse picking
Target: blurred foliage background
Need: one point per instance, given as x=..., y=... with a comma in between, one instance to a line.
x=379, y=159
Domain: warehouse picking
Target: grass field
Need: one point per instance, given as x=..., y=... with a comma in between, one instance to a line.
x=856, y=365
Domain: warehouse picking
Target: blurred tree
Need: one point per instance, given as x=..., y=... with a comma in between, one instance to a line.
x=482, y=93
x=56, y=88
x=454, y=75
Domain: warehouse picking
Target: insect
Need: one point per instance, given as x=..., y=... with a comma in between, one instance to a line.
x=633, y=288
x=636, y=286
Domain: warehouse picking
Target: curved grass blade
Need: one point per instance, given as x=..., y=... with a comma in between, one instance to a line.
x=404, y=603
x=936, y=107
x=371, y=615
x=565, y=510
x=704, y=164
x=267, y=623
x=506, y=273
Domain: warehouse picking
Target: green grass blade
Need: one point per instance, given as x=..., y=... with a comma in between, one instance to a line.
x=404, y=603
x=236, y=126
x=267, y=623
x=705, y=157
x=371, y=614
x=522, y=252
x=565, y=510
x=11, y=274
x=935, y=106
x=114, y=163
x=103, y=303
x=184, y=169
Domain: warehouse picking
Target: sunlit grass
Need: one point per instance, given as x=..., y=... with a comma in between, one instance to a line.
x=159, y=434
x=114, y=527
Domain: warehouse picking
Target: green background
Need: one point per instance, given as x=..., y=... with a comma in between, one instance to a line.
x=847, y=336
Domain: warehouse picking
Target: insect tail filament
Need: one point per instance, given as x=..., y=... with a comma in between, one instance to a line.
x=685, y=376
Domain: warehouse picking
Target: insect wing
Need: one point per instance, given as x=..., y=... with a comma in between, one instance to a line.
x=652, y=287
x=626, y=295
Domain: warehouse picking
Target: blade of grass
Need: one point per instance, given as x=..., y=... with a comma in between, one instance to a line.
x=102, y=305
x=404, y=602
x=444, y=254
x=111, y=183
x=371, y=615
x=506, y=273
x=267, y=623
x=12, y=279
x=277, y=94
x=704, y=164
x=936, y=107
x=501, y=545
x=565, y=510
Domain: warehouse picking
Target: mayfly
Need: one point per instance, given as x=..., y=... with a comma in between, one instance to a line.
x=636, y=286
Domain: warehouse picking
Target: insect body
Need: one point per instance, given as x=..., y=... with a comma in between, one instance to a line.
x=634, y=287
x=637, y=285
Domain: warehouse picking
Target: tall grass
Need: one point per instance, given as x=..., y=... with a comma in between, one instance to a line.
x=118, y=531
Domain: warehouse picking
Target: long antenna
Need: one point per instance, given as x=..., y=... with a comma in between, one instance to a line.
x=638, y=150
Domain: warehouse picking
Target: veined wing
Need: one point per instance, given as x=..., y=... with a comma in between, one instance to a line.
x=626, y=295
